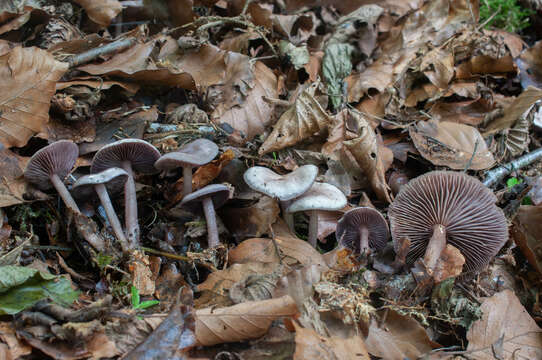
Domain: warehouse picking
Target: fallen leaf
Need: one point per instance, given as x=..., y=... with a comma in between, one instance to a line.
x=28, y=77
x=255, y=249
x=101, y=11
x=299, y=250
x=244, y=321
x=449, y=264
x=470, y=112
x=504, y=321
x=302, y=120
x=14, y=348
x=251, y=221
x=299, y=284
x=140, y=270
x=310, y=345
x=12, y=184
x=457, y=146
x=530, y=66
x=336, y=65
x=398, y=338
x=483, y=65
x=438, y=66
x=369, y=158
x=526, y=233
x=95, y=84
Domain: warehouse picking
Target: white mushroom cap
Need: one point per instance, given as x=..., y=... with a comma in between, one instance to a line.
x=321, y=196
x=112, y=178
x=283, y=187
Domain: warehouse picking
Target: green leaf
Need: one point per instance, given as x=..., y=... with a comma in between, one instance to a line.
x=21, y=287
x=147, y=304
x=135, y=297
x=298, y=56
x=510, y=183
x=526, y=201
x=336, y=65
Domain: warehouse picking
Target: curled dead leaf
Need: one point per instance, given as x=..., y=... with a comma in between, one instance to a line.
x=101, y=11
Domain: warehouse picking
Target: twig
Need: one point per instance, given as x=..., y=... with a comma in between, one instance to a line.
x=177, y=257
x=495, y=175
x=92, y=54
x=469, y=163
x=272, y=233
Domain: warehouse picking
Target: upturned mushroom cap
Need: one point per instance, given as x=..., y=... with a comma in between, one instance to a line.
x=139, y=153
x=283, y=187
x=320, y=196
x=217, y=192
x=350, y=225
x=112, y=178
x=57, y=158
x=197, y=153
x=460, y=203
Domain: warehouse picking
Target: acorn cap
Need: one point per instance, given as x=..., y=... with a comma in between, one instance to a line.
x=321, y=196
x=112, y=178
x=57, y=158
x=350, y=224
x=284, y=187
x=197, y=153
x=139, y=153
x=217, y=192
x=460, y=203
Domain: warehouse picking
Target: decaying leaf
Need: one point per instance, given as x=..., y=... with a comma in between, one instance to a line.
x=457, y=146
x=101, y=11
x=301, y=121
x=449, y=264
x=530, y=66
x=244, y=321
x=438, y=66
x=12, y=185
x=255, y=249
x=251, y=221
x=483, y=64
x=10, y=345
x=310, y=345
x=507, y=327
x=28, y=78
x=369, y=158
x=526, y=233
x=336, y=65
x=299, y=284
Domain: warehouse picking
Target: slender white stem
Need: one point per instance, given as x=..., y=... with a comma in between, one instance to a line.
x=210, y=218
x=436, y=245
x=64, y=193
x=112, y=216
x=364, y=240
x=130, y=205
x=187, y=180
x=313, y=228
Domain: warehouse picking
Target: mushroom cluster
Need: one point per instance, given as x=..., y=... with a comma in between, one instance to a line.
x=442, y=207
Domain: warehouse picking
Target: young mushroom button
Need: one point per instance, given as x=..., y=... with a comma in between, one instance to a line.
x=210, y=198
x=362, y=229
x=197, y=153
x=50, y=165
x=111, y=180
x=321, y=196
x=128, y=154
x=282, y=187
x=443, y=207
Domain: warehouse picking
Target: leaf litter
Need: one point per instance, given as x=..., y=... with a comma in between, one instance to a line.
x=372, y=96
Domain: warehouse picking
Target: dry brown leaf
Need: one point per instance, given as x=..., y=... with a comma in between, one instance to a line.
x=96, y=84
x=250, y=118
x=244, y=321
x=299, y=250
x=142, y=277
x=483, y=65
x=470, y=112
x=526, y=233
x=505, y=327
x=101, y=11
x=220, y=281
x=369, y=158
x=399, y=337
x=512, y=113
x=310, y=345
x=255, y=249
x=251, y=221
x=438, y=66
x=14, y=348
x=513, y=41
x=27, y=77
x=449, y=264
x=299, y=284
x=457, y=146
x=302, y=120
x=12, y=185
x=530, y=65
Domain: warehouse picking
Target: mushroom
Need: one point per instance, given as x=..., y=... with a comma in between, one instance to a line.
x=321, y=196
x=128, y=154
x=362, y=229
x=443, y=207
x=50, y=165
x=112, y=180
x=282, y=187
x=197, y=153
x=210, y=197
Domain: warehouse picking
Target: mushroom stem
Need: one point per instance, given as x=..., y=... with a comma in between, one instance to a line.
x=101, y=190
x=187, y=180
x=436, y=245
x=210, y=218
x=288, y=217
x=313, y=227
x=130, y=204
x=364, y=240
x=64, y=193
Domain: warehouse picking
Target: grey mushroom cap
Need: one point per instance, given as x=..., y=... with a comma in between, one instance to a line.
x=57, y=158
x=112, y=178
x=217, y=192
x=284, y=187
x=139, y=153
x=461, y=204
x=350, y=225
x=197, y=153
x=320, y=196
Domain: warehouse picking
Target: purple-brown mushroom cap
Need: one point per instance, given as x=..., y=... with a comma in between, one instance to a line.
x=459, y=202
x=197, y=153
x=57, y=158
x=350, y=225
x=139, y=153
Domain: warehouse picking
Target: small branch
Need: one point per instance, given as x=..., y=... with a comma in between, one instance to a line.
x=92, y=54
x=496, y=175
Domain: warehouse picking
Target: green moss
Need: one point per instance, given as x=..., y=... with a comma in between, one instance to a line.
x=509, y=15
